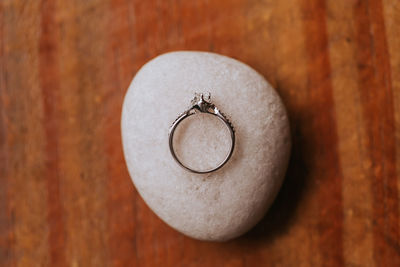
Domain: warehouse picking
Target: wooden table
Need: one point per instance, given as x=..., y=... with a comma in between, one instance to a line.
x=66, y=198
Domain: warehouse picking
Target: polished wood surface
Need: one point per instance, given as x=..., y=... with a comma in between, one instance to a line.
x=66, y=198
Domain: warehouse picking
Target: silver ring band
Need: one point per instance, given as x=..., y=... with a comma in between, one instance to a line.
x=199, y=104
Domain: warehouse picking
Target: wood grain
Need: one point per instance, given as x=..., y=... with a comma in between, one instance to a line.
x=66, y=198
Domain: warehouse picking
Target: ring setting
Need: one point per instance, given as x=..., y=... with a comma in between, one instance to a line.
x=201, y=103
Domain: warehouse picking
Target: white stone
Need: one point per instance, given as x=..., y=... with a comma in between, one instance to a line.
x=220, y=205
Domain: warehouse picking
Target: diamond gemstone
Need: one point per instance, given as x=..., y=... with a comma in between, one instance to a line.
x=201, y=97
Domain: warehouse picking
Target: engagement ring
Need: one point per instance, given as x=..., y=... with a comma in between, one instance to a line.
x=201, y=104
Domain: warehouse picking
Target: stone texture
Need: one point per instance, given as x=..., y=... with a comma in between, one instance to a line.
x=224, y=204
